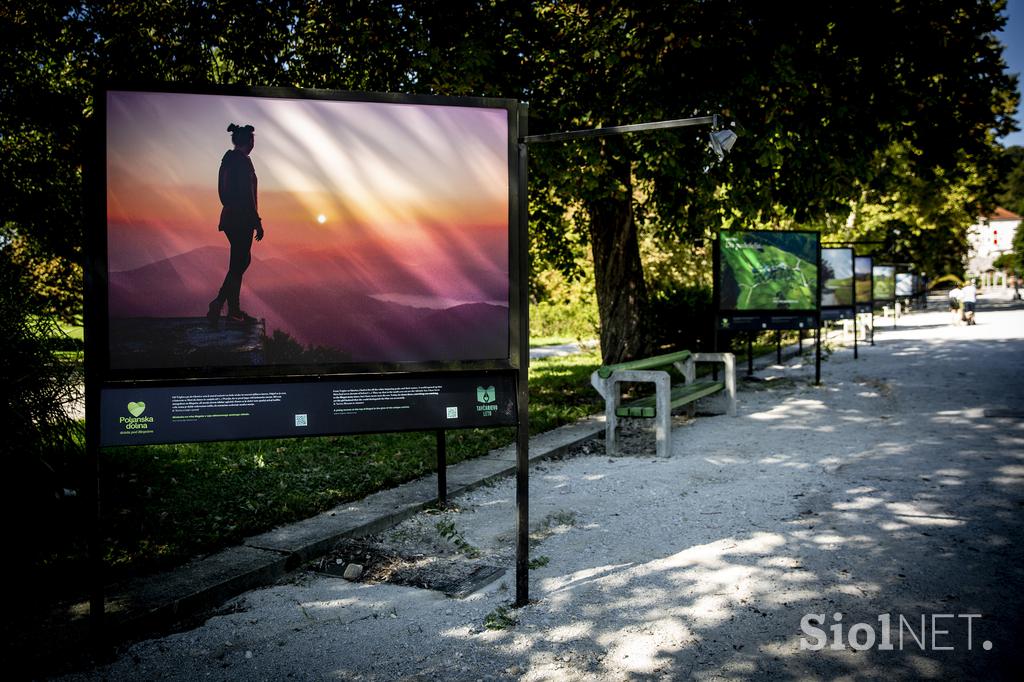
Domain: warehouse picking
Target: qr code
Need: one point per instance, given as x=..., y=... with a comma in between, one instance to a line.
x=301, y=420
x=453, y=412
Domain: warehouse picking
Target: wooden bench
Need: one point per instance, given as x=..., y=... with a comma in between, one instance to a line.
x=666, y=396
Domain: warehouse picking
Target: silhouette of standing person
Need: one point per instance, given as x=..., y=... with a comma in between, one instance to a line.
x=239, y=219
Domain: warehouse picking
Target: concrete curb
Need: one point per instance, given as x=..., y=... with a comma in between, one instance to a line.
x=160, y=600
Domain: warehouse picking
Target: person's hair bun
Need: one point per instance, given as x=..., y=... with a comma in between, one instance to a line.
x=232, y=127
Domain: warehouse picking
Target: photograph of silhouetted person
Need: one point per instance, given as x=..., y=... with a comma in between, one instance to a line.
x=239, y=219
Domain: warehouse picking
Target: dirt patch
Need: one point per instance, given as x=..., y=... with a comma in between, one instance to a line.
x=883, y=388
x=770, y=383
x=377, y=562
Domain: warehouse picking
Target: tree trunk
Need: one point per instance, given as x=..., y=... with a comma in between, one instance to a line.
x=619, y=278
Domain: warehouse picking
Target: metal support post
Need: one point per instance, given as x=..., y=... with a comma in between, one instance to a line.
x=93, y=487
x=817, y=354
x=522, y=384
x=855, y=334
x=442, y=468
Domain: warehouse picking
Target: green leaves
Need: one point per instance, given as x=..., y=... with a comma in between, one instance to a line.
x=1011, y=194
x=819, y=97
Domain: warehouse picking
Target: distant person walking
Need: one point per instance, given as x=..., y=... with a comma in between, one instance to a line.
x=969, y=299
x=239, y=219
x=954, y=303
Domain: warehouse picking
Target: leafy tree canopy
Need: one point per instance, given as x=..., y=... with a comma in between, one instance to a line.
x=883, y=110
x=1012, y=195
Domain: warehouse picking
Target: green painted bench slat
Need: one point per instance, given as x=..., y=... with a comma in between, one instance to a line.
x=646, y=363
x=680, y=395
x=638, y=412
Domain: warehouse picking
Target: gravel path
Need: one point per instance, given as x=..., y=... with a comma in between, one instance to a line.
x=896, y=487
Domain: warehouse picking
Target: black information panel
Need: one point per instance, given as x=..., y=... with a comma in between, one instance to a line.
x=767, y=279
x=837, y=289
x=863, y=283
x=759, y=322
x=177, y=414
x=836, y=314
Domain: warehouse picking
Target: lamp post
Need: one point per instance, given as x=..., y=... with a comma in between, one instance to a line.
x=721, y=141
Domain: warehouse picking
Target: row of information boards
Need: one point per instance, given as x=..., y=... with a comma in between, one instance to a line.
x=770, y=280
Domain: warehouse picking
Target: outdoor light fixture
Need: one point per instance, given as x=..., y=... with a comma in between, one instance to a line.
x=721, y=142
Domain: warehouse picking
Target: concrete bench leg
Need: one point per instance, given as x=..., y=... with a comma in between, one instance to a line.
x=611, y=404
x=729, y=361
x=688, y=369
x=663, y=420
x=609, y=390
x=662, y=401
x=730, y=381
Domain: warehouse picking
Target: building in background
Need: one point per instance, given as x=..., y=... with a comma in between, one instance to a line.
x=989, y=238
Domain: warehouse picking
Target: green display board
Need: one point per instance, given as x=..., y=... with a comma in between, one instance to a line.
x=884, y=283
x=767, y=271
x=837, y=277
x=862, y=273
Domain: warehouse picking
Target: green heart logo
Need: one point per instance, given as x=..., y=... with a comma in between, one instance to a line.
x=137, y=408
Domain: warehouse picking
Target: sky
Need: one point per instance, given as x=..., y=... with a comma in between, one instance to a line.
x=1013, y=37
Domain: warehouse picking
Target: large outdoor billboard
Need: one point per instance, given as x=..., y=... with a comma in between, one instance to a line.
x=862, y=279
x=837, y=277
x=344, y=233
x=905, y=284
x=863, y=283
x=837, y=284
x=767, y=279
x=767, y=271
x=884, y=283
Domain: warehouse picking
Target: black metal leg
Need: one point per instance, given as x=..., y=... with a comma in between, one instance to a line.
x=855, y=335
x=817, y=354
x=442, y=468
x=97, y=572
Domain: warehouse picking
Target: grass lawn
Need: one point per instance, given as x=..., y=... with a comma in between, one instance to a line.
x=554, y=340
x=76, y=332
x=166, y=503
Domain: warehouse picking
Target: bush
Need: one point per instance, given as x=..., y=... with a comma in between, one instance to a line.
x=573, y=320
x=42, y=443
x=563, y=307
x=1007, y=261
x=682, y=317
